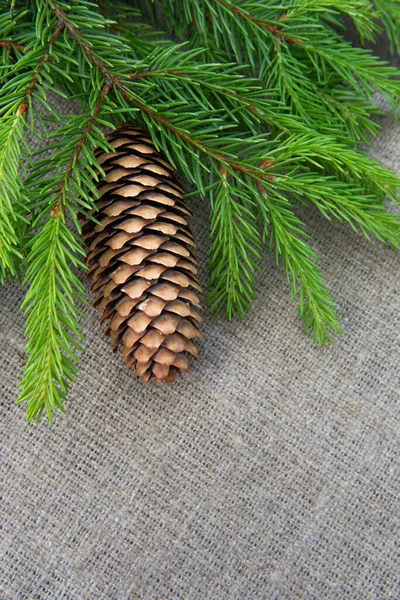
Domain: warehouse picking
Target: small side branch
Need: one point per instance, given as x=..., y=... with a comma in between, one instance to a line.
x=10, y=45
x=246, y=16
x=76, y=34
x=59, y=199
x=59, y=27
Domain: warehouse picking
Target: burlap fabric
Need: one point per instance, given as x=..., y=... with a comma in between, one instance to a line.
x=271, y=471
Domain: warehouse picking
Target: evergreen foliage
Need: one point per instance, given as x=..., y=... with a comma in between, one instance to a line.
x=259, y=104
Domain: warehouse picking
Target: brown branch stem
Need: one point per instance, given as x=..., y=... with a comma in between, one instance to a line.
x=245, y=16
x=9, y=44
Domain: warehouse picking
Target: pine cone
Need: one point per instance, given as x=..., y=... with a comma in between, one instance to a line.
x=141, y=258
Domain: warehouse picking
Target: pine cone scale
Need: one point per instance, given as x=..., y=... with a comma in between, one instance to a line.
x=141, y=259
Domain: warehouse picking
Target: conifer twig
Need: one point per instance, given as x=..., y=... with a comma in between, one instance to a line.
x=10, y=157
x=246, y=16
x=50, y=305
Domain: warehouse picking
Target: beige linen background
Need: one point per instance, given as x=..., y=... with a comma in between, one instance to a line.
x=270, y=472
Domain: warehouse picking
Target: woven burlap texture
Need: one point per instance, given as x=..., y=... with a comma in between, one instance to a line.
x=271, y=471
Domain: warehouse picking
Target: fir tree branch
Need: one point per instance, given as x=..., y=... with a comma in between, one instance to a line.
x=353, y=113
x=50, y=305
x=296, y=87
x=244, y=99
x=132, y=98
x=358, y=67
x=11, y=149
x=346, y=203
x=361, y=12
x=235, y=248
x=297, y=71
x=51, y=310
x=45, y=58
x=9, y=188
x=326, y=154
x=316, y=307
x=61, y=195
x=260, y=23
x=388, y=11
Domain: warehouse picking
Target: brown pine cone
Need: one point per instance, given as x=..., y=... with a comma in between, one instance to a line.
x=141, y=258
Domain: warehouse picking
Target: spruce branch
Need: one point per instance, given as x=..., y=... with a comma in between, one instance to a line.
x=353, y=114
x=388, y=11
x=261, y=106
x=316, y=306
x=12, y=145
x=361, y=12
x=358, y=67
x=52, y=325
x=346, y=203
x=52, y=319
x=235, y=249
x=42, y=62
x=290, y=46
x=259, y=23
x=324, y=153
x=9, y=188
x=146, y=109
